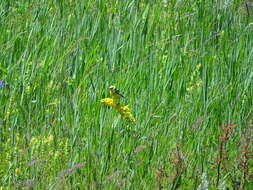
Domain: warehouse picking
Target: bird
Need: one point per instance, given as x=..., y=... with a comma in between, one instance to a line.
x=115, y=93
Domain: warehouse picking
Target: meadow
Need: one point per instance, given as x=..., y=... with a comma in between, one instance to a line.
x=184, y=67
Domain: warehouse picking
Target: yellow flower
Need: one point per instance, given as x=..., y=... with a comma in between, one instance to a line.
x=125, y=108
x=189, y=89
x=49, y=139
x=17, y=171
x=199, y=83
x=109, y=102
x=198, y=66
x=131, y=119
x=127, y=114
x=28, y=89
x=9, y=113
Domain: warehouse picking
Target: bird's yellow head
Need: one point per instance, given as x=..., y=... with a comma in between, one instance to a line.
x=112, y=88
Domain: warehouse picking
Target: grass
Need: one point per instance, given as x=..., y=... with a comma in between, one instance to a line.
x=184, y=66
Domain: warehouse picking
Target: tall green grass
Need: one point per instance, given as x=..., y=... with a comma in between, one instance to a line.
x=184, y=66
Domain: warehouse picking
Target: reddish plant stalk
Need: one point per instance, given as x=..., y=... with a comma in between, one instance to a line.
x=224, y=137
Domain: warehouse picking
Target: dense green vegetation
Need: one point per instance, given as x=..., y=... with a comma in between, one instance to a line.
x=185, y=67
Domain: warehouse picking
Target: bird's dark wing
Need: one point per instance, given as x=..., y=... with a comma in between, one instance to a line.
x=118, y=92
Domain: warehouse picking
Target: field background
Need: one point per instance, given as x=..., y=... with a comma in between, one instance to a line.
x=185, y=67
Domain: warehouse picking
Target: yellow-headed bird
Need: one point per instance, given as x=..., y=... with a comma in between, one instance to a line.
x=115, y=92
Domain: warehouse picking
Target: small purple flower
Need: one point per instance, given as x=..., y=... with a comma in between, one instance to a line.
x=1, y=84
